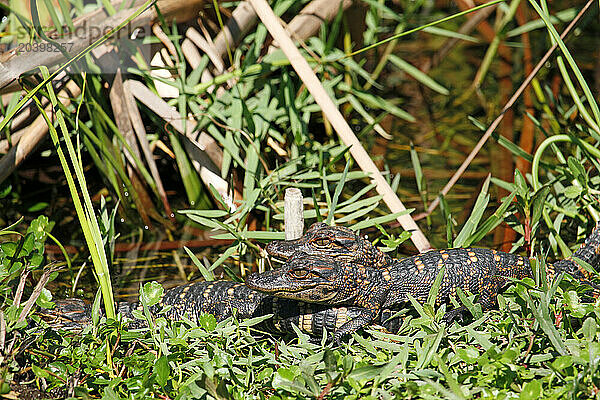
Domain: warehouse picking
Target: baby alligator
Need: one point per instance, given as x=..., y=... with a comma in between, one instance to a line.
x=336, y=242
x=224, y=299
x=338, y=280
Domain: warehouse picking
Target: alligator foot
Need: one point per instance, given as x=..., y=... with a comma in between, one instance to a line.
x=454, y=315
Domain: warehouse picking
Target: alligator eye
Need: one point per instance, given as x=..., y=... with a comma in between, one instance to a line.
x=300, y=273
x=322, y=242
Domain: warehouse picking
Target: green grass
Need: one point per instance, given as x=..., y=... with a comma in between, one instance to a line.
x=519, y=351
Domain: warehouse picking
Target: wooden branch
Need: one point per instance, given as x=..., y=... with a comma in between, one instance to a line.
x=336, y=119
x=207, y=48
x=12, y=66
x=308, y=22
x=48, y=270
x=293, y=213
x=243, y=18
x=301, y=27
x=204, y=161
x=140, y=131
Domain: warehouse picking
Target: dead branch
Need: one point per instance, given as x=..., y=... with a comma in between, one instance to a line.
x=34, y=134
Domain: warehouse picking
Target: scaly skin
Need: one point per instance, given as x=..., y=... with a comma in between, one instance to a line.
x=223, y=299
x=334, y=281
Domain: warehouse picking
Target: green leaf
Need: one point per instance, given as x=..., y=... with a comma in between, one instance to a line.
x=336, y=194
x=205, y=213
x=435, y=288
x=434, y=30
x=561, y=16
x=542, y=315
x=379, y=220
x=418, y=75
x=5, y=190
x=378, y=102
x=493, y=221
x=38, y=207
x=258, y=235
x=206, y=274
x=531, y=390
x=151, y=292
x=162, y=370
x=470, y=225
x=40, y=372
x=572, y=192
x=264, y=374
x=589, y=329
x=226, y=254
x=577, y=170
x=364, y=374
x=537, y=204
x=207, y=322
x=562, y=362
x=44, y=300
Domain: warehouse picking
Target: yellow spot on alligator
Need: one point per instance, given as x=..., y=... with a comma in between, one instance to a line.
x=470, y=253
x=497, y=258
x=307, y=322
x=585, y=272
x=184, y=292
x=230, y=291
x=251, y=296
x=520, y=262
x=420, y=267
x=206, y=293
x=469, y=262
x=386, y=275
x=341, y=318
x=445, y=256
x=474, y=259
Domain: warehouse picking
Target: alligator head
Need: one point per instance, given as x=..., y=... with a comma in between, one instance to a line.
x=336, y=242
x=315, y=279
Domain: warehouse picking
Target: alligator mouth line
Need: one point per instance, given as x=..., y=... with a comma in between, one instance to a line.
x=279, y=291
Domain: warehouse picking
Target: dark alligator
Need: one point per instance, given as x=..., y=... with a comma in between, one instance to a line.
x=224, y=299
x=338, y=280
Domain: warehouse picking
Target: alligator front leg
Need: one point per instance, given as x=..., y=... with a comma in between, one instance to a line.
x=365, y=317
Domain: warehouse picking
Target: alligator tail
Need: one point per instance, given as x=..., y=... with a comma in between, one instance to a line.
x=589, y=253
